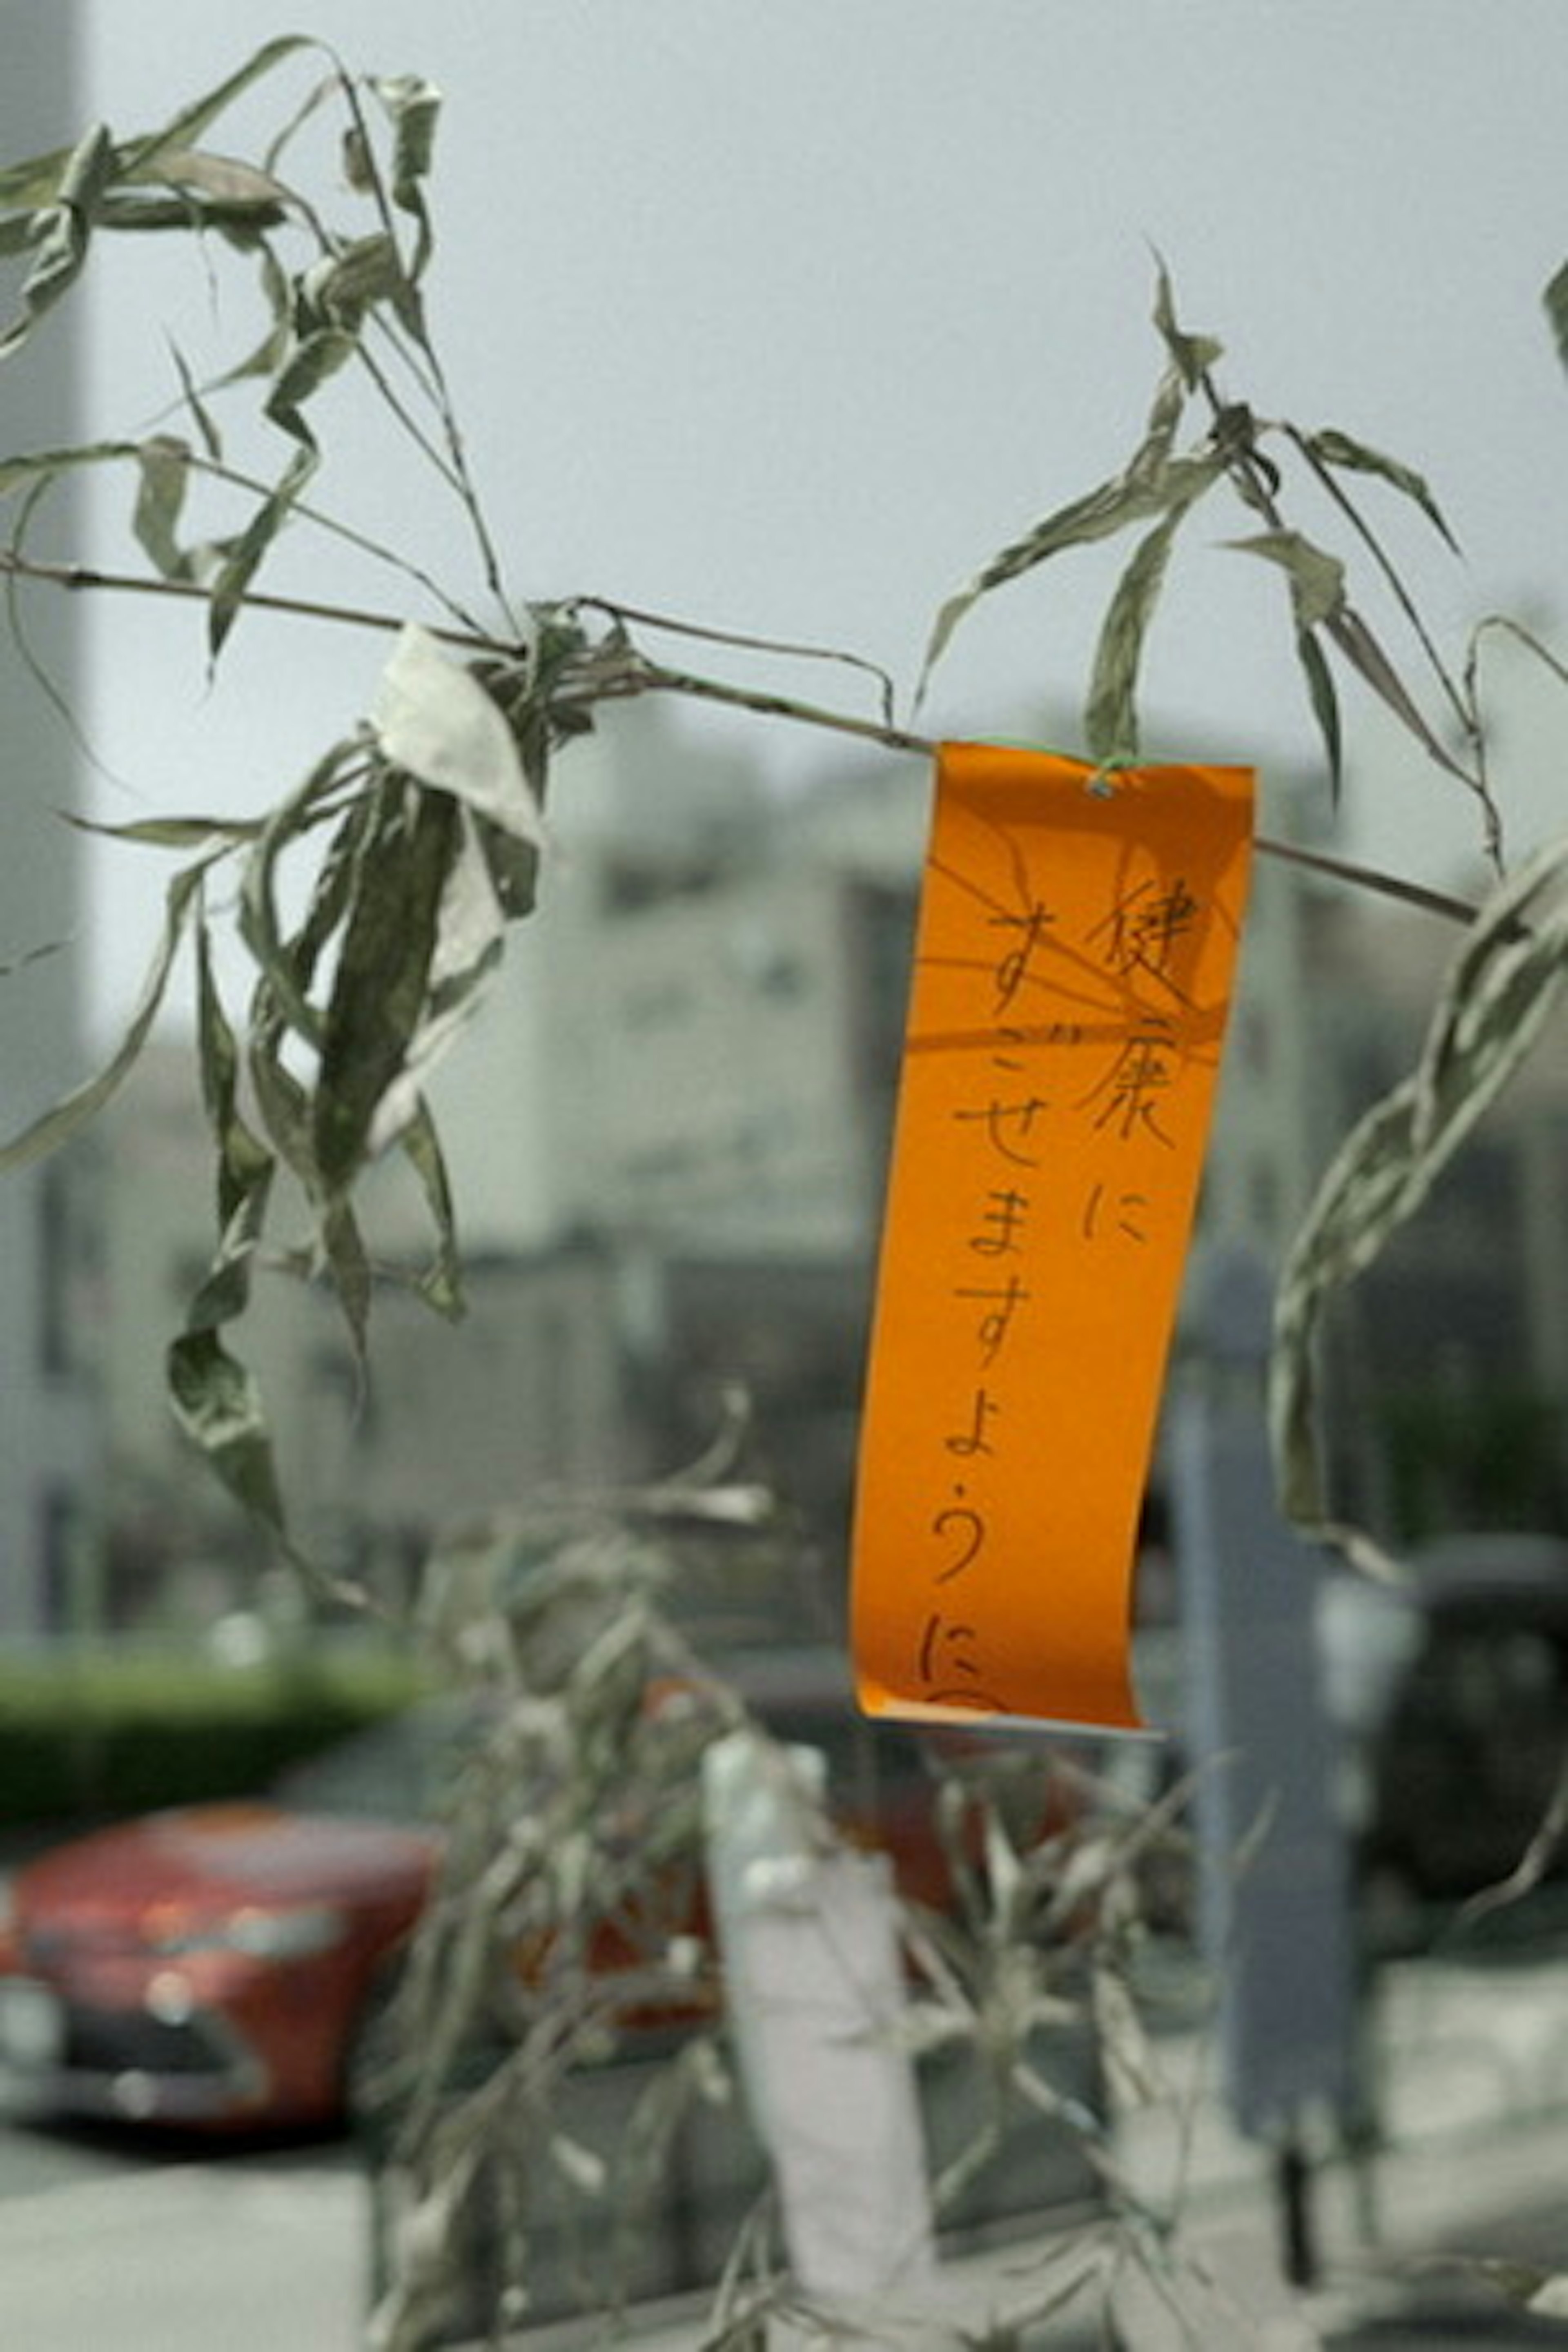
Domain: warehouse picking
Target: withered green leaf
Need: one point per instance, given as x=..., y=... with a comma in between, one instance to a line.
x=166, y=469
x=219, y=1404
x=441, y=1284
x=1555, y=299
x=61, y=234
x=1338, y=449
x=1111, y=722
x=308, y=365
x=1325, y=701
x=413, y=107
x=1141, y=492
x=380, y=989
x=1192, y=355
x=1316, y=578
x=193, y=121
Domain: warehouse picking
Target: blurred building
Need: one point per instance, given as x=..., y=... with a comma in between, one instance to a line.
x=692, y=1038
x=48, y=1248
x=667, y=1140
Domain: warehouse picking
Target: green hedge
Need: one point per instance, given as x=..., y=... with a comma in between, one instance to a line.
x=93, y=1734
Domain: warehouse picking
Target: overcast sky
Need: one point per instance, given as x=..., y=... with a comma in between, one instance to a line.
x=785, y=317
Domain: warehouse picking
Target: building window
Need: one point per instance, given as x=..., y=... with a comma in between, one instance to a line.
x=60, y=1534
x=66, y=1268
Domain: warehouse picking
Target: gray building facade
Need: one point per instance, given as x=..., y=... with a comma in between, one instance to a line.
x=48, y=1212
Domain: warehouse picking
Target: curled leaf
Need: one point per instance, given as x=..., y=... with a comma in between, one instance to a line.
x=342, y=286
x=218, y=1405
x=412, y=108
x=308, y=363
x=437, y=721
x=165, y=469
x=59, y=235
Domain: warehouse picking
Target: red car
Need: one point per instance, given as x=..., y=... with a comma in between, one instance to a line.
x=215, y=1966
x=211, y=1966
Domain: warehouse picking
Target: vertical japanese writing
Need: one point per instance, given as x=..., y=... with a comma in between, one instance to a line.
x=1082, y=1022
x=1071, y=981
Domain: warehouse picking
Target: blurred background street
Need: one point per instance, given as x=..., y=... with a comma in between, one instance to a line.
x=105, y=2237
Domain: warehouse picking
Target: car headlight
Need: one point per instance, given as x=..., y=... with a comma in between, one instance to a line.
x=261, y=1935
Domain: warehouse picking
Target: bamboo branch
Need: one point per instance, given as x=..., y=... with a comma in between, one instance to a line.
x=638, y=674
x=74, y=576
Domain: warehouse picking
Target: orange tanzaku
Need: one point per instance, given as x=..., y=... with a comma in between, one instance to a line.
x=1073, y=971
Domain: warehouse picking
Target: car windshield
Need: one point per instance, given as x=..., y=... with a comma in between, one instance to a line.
x=397, y=1770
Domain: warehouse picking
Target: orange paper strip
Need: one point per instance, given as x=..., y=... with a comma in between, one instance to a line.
x=1073, y=971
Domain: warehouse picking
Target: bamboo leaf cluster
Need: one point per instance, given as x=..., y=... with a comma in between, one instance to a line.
x=420, y=832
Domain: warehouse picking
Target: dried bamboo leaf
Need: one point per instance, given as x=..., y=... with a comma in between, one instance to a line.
x=1110, y=714
x=29, y=469
x=217, y=1403
x=309, y=363
x=221, y=181
x=1361, y=649
x=165, y=462
x=61, y=234
x=1192, y=355
x=68, y=1117
x=381, y=987
x=1325, y=702
x=171, y=832
x=1135, y=495
x=471, y=933
x=1338, y=449
x=28, y=188
x=245, y=1166
x=287, y=964
x=412, y=108
x=1555, y=298
x=1316, y=578
x=141, y=157
x=1488, y=1014
x=441, y=1284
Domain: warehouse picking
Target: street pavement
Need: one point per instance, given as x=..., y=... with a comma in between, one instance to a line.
x=255, y=2252
x=1432, y=2242
x=233, y=2252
